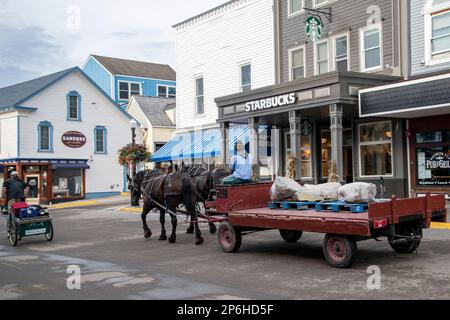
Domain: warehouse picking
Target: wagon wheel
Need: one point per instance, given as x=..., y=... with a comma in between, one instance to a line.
x=49, y=235
x=291, y=236
x=230, y=238
x=13, y=234
x=408, y=246
x=339, y=251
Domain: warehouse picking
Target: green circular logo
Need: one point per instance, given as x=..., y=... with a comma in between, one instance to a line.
x=313, y=28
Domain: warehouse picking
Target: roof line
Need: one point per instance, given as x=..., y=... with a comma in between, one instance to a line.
x=204, y=13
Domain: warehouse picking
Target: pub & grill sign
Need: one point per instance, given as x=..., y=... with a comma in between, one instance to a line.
x=74, y=139
x=438, y=161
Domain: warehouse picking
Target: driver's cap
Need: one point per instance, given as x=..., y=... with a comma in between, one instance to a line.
x=14, y=173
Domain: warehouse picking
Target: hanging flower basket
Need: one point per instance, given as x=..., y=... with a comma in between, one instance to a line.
x=133, y=154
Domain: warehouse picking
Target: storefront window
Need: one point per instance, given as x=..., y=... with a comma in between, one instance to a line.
x=306, y=156
x=67, y=183
x=433, y=166
x=326, y=152
x=375, y=142
x=429, y=137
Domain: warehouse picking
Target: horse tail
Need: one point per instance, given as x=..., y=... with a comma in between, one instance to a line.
x=187, y=196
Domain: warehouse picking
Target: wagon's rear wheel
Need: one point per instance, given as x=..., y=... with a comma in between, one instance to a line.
x=339, y=251
x=291, y=236
x=406, y=246
x=13, y=234
x=50, y=233
x=230, y=238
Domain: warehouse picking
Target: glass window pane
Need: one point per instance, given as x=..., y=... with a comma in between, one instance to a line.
x=322, y=51
x=372, y=58
x=441, y=44
x=172, y=92
x=441, y=25
x=298, y=73
x=306, y=156
x=296, y=5
x=123, y=86
x=323, y=67
x=200, y=105
x=371, y=39
x=341, y=47
x=342, y=65
x=162, y=91
x=199, y=87
x=376, y=160
x=429, y=137
x=67, y=183
x=433, y=166
x=135, y=88
x=297, y=58
x=326, y=152
x=45, y=138
x=99, y=140
x=246, y=77
x=376, y=132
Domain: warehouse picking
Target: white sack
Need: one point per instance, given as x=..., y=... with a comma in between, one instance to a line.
x=305, y=195
x=328, y=191
x=283, y=188
x=358, y=192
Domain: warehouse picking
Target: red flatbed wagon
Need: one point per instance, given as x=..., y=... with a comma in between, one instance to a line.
x=400, y=220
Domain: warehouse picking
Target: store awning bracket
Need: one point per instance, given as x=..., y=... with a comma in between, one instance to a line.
x=327, y=12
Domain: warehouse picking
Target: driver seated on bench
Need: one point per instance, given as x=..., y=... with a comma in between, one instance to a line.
x=241, y=166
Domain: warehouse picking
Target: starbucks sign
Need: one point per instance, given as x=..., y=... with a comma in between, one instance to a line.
x=313, y=28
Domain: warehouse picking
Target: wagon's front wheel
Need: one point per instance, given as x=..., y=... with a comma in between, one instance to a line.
x=291, y=236
x=49, y=234
x=230, y=238
x=13, y=234
x=339, y=251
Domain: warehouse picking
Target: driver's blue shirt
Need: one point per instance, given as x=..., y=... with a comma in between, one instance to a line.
x=243, y=167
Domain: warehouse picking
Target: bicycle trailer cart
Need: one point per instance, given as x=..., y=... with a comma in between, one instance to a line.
x=401, y=221
x=28, y=220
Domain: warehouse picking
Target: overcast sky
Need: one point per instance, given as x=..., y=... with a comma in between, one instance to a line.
x=45, y=36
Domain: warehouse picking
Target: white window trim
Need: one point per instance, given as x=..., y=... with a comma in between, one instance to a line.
x=316, y=55
x=201, y=115
x=290, y=61
x=240, y=65
x=129, y=88
x=371, y=143
x=333, y=50
x=429, y=12
x=315, y=5
x=293, y=14
x=363, y=68
x=167, y=90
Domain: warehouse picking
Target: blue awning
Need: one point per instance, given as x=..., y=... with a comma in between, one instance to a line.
x=201, y=144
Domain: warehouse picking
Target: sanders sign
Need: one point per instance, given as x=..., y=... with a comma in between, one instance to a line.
x=278, y=101
x=74, y=139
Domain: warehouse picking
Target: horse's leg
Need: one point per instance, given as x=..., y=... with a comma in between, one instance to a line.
x=145, y=211
x=198, y=234
x=162, y=219
x=190, y=230
x=173, y=217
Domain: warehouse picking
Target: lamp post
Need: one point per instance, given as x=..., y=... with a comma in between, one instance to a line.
x=133, y=125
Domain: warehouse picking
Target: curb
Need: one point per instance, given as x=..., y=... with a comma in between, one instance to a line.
x=73, y=205
x=139, y=210
x=440, y=226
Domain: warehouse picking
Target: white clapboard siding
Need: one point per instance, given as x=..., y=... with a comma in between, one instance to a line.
x=105, y=174
x=8, y=135
x=214, y=48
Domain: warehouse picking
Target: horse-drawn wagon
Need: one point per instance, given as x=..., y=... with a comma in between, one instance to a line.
x=401, y=221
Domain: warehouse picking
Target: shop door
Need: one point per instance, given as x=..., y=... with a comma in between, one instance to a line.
x=33, y=182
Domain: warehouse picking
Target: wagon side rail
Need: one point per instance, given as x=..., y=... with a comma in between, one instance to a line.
x=436, y=208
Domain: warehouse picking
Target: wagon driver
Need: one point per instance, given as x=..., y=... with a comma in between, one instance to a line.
x=241, y=166
x=14, y=189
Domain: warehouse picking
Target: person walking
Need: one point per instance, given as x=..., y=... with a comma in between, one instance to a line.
x=15, y=189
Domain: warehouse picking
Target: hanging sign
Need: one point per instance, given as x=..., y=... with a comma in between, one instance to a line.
x=313, y=28
x=73, y=139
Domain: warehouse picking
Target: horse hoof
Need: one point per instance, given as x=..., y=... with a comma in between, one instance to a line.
x=213, y=230
x=172, y=240
x=163, y=238
x=198, y=241
x=190, y=231
x=147, y=234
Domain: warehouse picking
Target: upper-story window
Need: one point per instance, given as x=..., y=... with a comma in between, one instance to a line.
x=295, y=6
x=167, y=91
x=45, y=137
x=440, y=37
x=246, y=77
x=100, y=140
x=321, y=57
x=127, y=89
x=437, y=31
x=297, y=63
x=320, y=2
x=199, y=97
x=73, y=106
x=341, y=53
x=371, y=51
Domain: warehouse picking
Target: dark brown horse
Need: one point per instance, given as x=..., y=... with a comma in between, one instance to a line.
x=165, y=192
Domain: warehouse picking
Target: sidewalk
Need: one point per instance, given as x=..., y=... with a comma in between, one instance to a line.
x=115, y=200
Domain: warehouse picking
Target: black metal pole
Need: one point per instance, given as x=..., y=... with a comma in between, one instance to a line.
x=133, y=143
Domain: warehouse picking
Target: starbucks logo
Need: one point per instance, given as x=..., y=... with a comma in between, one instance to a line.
x=313, y=28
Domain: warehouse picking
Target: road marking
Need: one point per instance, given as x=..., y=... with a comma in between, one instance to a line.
x=440, y=226
x=131, y=210
x=73, y=204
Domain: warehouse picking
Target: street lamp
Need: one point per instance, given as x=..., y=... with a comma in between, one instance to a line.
x=133, y=124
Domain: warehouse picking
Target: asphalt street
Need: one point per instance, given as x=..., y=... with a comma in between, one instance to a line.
x=116, y=262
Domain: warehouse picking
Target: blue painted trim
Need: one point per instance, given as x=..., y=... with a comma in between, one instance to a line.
x=17, y=108
x=68, y=96
x=18, y=136
x=45, y=124
x=97, y=195
x=40, y=159
x=105, y=139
